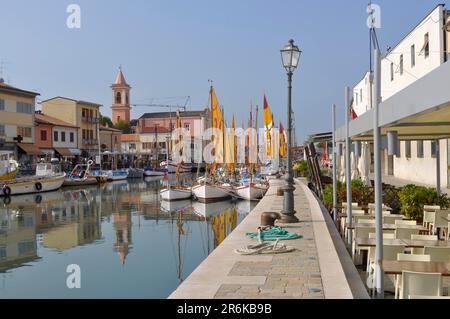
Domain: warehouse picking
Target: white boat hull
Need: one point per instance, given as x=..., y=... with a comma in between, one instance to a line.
x=33, y=185
x=173, y=194
x=151, y=173
x=117, y=175
x=91, y=180
x=172, y=168
x=207, y=193
x=250, y=192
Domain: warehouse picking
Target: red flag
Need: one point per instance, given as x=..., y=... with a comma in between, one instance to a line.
x=352, y=111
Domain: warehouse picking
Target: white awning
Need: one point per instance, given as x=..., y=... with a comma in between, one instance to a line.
x=75, y=151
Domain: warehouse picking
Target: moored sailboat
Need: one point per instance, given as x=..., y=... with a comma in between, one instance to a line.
x=178, y=192
x=251, y=191
x=208, y=191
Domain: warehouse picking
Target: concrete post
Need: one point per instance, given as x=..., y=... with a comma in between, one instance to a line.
x=379, y=275
x=348, y=164
x=333, y=121
x=438, y=167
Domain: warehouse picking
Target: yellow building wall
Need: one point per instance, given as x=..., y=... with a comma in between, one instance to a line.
x=87, y=126
x=12, y=117
x=62, y=109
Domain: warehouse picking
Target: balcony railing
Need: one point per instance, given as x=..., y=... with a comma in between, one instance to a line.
x=91, y=120
x=90, y=141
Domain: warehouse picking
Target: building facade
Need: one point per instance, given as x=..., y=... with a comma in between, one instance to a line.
x=195, y=124
x=81, y=114
x=421, y=51
x=151, y=145
x=56, y=138
x=17, y=109
x=110, y=139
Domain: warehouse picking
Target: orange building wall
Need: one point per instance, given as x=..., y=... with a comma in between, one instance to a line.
x=40, y=143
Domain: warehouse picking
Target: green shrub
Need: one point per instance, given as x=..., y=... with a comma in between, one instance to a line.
x=328, y=194
x=413, y=198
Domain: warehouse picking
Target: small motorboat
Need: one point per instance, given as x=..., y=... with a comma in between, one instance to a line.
x=150, y=171
x=48, y=178
x=81, y=175
x=117, y=175
x=135, y=173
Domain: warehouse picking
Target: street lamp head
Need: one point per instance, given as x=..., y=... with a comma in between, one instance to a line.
x=290, y=56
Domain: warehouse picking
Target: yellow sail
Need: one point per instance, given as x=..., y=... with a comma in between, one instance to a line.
x=283, y=144
x=268, y=126
x=231, y=147
x=217, y=124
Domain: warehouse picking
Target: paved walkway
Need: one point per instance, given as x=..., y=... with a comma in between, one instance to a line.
x=317, y=269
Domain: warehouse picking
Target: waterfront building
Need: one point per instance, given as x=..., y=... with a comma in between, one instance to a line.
x=73, y=225
x=82, y=114
x=56, y=138
x=110, y=139
x=194, y=122
x=121, y=99
x=17, y=107
x=423, y=50
x=18, y=245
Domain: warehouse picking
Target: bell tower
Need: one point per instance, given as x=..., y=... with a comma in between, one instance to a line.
x=121, y=99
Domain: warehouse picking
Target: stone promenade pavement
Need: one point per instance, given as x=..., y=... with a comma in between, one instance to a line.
x=319, y=268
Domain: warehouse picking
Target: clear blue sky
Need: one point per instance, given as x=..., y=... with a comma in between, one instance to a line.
x=171, y=48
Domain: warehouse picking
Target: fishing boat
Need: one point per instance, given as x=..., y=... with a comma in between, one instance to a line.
x=8, y=166
x=210, y=190
x=251, y=191
x=135, y=172
x=48, y=178
x=171, y=167
x=116, y=174
x=151, y=171
x=174, y=193
x=177, y=192
x=81, y=175
x=210, y=193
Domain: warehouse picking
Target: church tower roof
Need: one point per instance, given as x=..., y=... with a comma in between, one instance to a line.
x=120, y=79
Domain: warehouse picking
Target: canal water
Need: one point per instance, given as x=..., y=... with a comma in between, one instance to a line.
x=127, y=243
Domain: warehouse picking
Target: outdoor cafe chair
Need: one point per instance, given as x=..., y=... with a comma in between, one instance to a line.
x=405, y=222
x=421, y=250
x=447, y=232
x=390, y=252
x=344, y=220
x=364, y=220
x=408, y=257
x=360, y=232
x=405, y=233
x=438, y=254
x=390, y=219
x=419, y=283
x=428, y=215
x=439, y=220
x=387, y=234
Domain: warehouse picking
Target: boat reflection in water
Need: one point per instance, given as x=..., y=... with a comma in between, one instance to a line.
x=127, y=242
